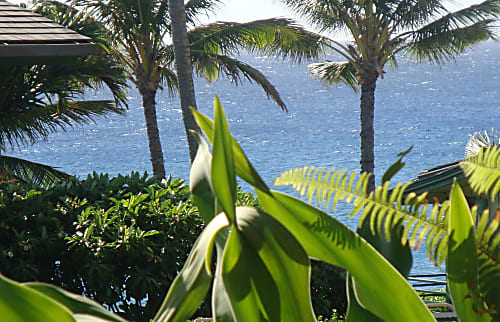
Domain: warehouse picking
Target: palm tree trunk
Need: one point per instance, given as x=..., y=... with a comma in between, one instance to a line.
x=367, y=106
x=155, y=150
x=184, y=70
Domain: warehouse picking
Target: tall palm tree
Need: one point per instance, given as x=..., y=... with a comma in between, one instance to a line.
x=36, y=100
x=140, y=29
x=184, y=70
x=421, y=29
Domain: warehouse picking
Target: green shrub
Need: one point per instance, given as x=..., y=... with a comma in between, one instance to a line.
x=120, y=241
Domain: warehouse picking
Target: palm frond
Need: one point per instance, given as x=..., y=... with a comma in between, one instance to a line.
x=30, y=172
x=211, y=65
x=483, y=11
x=414, y=13
x=488, y=241
x=483, y=171
x=384, y=207
x=275, y=36
x=439, y=46
x=29, y=123
x=335, y=73
x=325, y=14
x=480, y=140
x=94, y=71
x=194, y=8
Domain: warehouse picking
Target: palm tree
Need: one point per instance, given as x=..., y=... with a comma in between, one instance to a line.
x=140, y=28
x=421, y=29
x=36, y=100
x=184, y=70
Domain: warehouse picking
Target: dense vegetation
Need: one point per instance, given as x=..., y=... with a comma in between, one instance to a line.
x=120, y=241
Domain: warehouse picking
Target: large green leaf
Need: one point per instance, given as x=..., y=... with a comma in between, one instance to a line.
x=398, y=255
x=221, y=306
x=200, y=181
x=223, y=172
x=21, y=303
x=244, y=168
x=326, y=239
x=266, y=270
x=355, y=312
x=192, y=283
x=77, y=304
x=462, y=261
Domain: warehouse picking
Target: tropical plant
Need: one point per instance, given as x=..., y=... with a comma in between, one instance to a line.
x=262, y=269
x=140, y=30
x=36, y=100
x=423, y=30
x=469, y=242
x=117, y=240
x=262, y=261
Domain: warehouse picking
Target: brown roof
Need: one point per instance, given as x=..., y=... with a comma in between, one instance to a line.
x=24, y=33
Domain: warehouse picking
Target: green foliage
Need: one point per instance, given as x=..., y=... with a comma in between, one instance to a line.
x=262, y=268
x=385, y=208
x=265, y=252
x=36, y=100
x=120, y=241
x=469, y=242
x=483, y=171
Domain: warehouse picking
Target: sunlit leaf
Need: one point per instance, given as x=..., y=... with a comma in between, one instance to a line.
x=192, y=283
x=21, y=303
x=244, y=168
x=200, y=180
x=272, y=269
x=77, y=304
x=223, y=172
x=326, y=239
x=462, y=262
x=355, y=312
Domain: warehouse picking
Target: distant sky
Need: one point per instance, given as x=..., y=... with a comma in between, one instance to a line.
x=248, y=10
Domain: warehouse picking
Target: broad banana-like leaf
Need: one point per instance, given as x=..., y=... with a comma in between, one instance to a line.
x=221, y=306
x=462, y=261
x=223, y=172
x=20, y=303
x=244, y=168
x=266, y=271
x=193, y=282
x=200, y=181
x=80, y=306
x=398, y=255
x=355, y=312
x=326, y=239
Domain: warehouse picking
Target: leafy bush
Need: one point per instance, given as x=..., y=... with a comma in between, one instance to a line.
x=120, y=241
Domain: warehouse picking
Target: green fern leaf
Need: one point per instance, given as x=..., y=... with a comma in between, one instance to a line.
x=384, y=208
x=488, y=243
x=483, y=171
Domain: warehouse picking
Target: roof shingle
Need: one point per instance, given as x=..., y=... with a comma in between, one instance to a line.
x=24, y=33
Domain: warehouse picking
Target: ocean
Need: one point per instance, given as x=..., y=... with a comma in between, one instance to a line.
x=434, y=108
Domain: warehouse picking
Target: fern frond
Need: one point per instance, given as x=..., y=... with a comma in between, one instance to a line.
x=488, y=245
x=384, y=207
x=483, y=171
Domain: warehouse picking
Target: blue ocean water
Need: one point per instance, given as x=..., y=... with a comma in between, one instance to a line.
x=434, y=108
